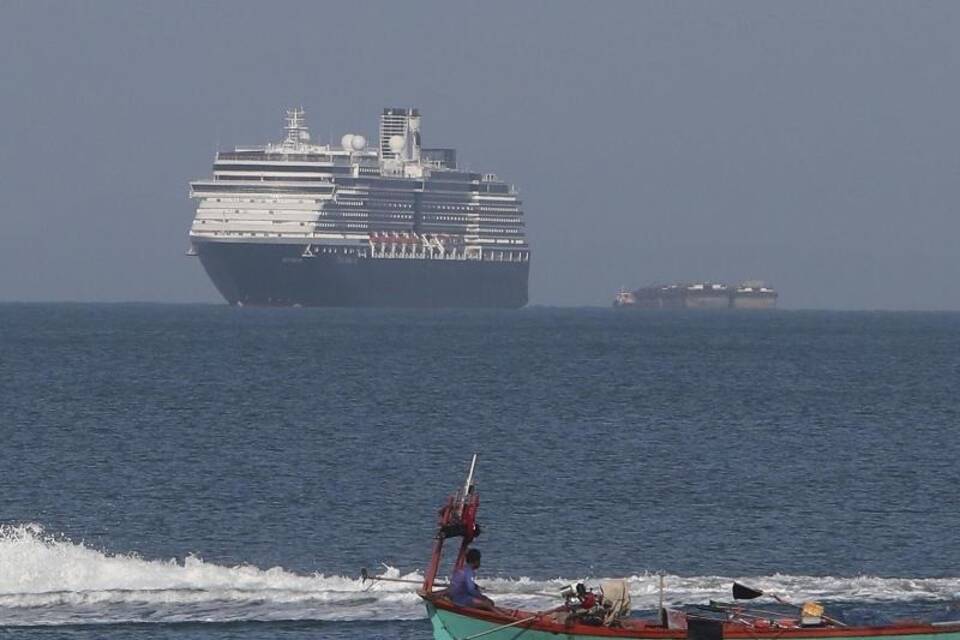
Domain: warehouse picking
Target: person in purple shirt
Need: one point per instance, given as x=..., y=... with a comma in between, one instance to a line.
x=463, y=588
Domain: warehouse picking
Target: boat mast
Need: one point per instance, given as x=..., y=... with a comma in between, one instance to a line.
x=468, y=494
x=457, y=518
x=468, y=483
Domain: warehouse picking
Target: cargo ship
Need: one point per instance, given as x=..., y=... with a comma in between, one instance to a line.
x=390, y=224
x=752, y=294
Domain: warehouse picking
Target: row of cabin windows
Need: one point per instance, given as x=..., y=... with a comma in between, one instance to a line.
x=330, y=213
x=374, y=203
x=273, y=200
x=262, y=155
x=243, y=188
x=399, y=205
x=292, y=168
x=449, y=208
x=220, y=178
x=336, y=215
x=227, y=221
x=332, y=225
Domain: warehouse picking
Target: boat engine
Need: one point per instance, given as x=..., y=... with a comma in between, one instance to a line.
x=606, y=608
x=583, y=605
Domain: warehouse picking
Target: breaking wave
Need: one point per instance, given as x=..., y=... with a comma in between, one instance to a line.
x=47, y=580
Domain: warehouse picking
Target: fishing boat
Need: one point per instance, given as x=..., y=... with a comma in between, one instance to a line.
x=603, y=612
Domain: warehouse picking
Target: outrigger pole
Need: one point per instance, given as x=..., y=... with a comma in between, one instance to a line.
x=365, y=575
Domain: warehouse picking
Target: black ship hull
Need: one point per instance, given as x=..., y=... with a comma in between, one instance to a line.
x=279, y=275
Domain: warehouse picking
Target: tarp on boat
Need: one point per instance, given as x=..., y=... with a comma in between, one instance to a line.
x=616, y=600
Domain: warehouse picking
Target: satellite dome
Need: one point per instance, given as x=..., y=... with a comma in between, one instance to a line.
x=358, y=143
x=396, y=144
x=347, y=141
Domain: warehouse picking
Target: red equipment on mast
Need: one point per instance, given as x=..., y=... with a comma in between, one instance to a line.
x=457, y=518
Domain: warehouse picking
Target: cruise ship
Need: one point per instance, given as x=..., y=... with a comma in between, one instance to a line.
x=388, y=224
x=752, y=294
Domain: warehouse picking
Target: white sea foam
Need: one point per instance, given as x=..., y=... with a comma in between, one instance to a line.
x=47, y=580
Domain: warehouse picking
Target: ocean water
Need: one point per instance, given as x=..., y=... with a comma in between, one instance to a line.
x=209, y=472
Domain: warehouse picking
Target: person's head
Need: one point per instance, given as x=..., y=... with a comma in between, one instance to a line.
x=473, y=558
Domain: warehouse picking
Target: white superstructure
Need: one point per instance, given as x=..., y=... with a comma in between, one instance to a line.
x=394, y=201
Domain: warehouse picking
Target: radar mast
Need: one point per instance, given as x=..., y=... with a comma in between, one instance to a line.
x=296, y=128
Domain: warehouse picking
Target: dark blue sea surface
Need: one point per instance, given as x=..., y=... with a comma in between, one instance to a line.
x=212, y=472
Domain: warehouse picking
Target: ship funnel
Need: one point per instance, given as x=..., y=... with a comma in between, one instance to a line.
x=405, y=125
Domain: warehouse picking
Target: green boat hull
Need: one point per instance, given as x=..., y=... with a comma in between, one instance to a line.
x=453, y=625
x=448, y=625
